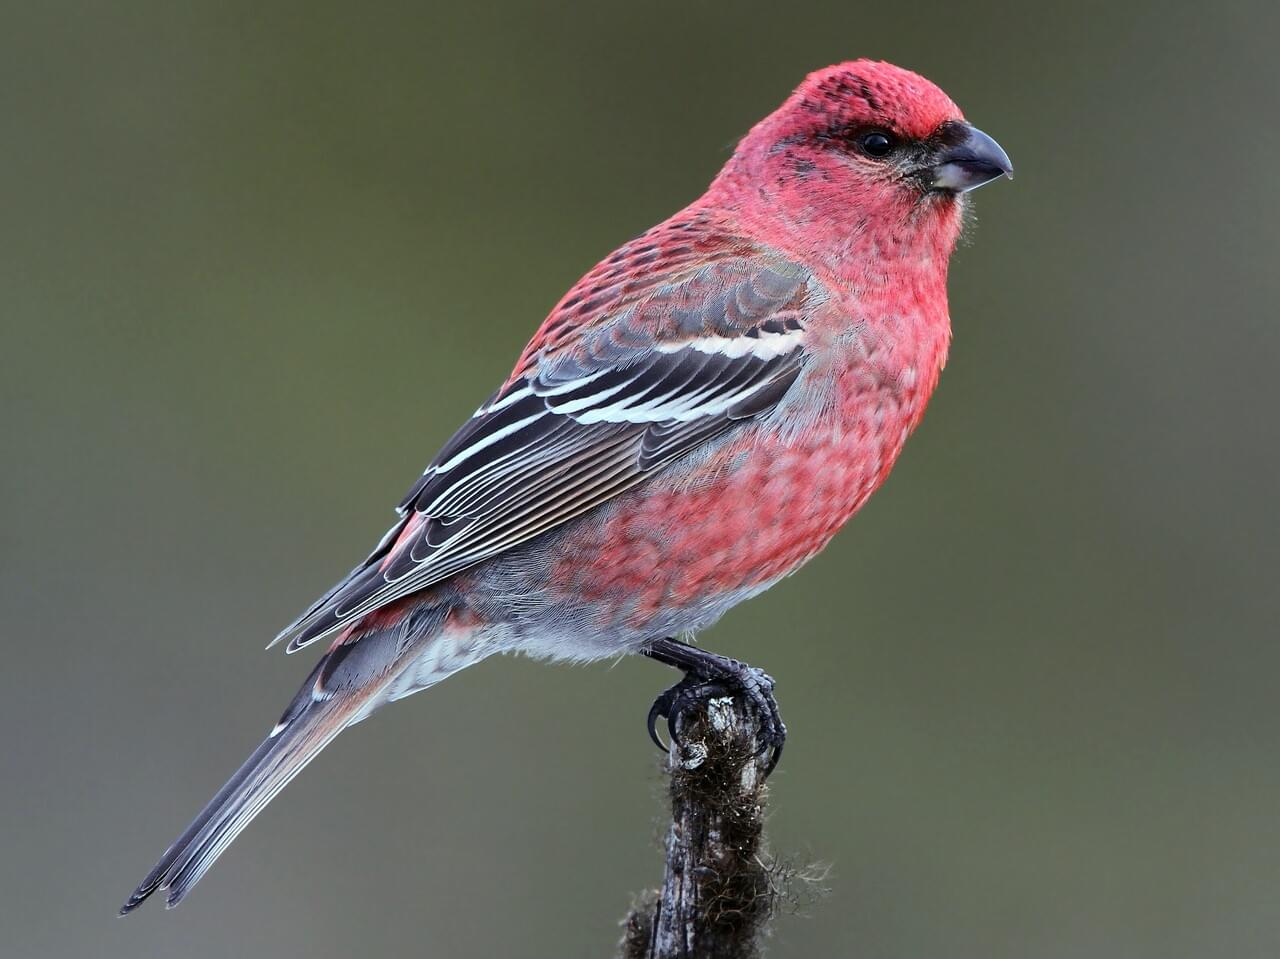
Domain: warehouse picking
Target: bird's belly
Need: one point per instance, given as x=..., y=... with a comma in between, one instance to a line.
x=675, y=554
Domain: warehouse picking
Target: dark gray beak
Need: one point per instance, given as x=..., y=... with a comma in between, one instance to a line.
x=969, y=159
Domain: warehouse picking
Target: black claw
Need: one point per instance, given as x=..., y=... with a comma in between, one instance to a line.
x=706, y=675
x=777, y=745
x=669, y=705
x=661, y=708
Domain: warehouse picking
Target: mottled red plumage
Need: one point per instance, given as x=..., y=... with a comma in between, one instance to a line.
x=695, y=419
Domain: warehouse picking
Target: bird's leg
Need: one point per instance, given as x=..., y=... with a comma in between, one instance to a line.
x=709, y=674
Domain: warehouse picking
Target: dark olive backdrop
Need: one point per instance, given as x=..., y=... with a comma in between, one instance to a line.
x=256, y=264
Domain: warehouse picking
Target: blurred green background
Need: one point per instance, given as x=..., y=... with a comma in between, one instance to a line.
x=257, y=261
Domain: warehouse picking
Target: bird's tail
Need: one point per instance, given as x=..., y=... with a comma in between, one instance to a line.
x=359, y=673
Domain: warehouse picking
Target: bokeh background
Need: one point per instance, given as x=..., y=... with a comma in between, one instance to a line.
x=257, y=261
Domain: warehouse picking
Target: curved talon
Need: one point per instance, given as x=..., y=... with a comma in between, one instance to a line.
x=657, y=709
x=772, y=763
x=669, y=705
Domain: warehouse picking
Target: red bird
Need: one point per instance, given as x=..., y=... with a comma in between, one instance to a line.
x=691, y=423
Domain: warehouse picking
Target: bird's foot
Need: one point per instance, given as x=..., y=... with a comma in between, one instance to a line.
x=715, y=676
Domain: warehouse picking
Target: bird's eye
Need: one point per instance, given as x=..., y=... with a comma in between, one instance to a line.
x=876, y=144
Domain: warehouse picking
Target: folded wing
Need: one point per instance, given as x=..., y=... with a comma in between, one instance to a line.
x=591, y=411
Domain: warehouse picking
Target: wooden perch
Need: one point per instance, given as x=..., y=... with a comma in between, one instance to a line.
x=717, y=893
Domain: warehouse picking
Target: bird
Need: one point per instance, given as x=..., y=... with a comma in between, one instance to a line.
x=691, y=423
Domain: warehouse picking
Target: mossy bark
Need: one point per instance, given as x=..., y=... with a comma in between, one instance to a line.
x=717, y=892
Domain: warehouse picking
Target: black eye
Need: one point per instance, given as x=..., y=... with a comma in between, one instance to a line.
x=877, y=144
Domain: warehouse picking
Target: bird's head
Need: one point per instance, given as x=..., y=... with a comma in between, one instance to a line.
x=859, y=145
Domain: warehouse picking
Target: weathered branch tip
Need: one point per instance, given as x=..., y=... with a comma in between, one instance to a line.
x=717, y=893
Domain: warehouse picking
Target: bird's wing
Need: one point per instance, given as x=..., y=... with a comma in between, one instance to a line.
x=601, y=399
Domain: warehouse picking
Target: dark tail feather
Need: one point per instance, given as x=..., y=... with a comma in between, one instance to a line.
x=308, y=725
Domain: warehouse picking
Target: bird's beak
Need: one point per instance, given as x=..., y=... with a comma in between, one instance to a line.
x=968, y=160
